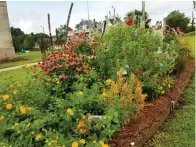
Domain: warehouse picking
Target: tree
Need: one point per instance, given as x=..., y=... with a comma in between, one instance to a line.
x=136, y=15
x=177, y=19
x=18, y=37
x=29, y=42
x=61, y=34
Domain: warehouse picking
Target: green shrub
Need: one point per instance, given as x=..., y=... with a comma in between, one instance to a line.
x=137, y=50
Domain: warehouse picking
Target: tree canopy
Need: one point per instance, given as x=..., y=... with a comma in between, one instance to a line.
x=177, y=19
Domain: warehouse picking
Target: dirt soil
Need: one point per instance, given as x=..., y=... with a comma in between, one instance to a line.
x=153, y=112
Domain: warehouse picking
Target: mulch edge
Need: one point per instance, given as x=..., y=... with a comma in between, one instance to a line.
x=147, y=132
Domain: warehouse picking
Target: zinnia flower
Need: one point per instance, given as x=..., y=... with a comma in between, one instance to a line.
x=129, y=21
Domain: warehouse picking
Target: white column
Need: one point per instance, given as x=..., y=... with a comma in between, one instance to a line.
x=6, y=45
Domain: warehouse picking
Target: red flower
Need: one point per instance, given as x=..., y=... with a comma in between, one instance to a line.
x=129, y=21
x=140, y=72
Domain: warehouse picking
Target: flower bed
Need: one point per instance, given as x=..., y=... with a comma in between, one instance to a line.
x=82, y=95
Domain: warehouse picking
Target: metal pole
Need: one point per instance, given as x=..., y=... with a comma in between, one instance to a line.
x=88, y=20
x=143, y=14
x=49, y=28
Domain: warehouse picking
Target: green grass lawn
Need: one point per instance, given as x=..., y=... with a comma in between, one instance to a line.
x=190, y=37
x=31, y=57
x=178, y=130
x=19, y=75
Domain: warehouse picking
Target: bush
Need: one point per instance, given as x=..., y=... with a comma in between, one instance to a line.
x=31, y=117
x=137, y=50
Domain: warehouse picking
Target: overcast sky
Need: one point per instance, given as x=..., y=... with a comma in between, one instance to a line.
x=29, y=16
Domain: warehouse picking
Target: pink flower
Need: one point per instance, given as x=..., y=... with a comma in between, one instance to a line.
x=79, y=69
x=63, y=76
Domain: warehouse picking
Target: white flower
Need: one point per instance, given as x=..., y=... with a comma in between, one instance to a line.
x=132, y=143
x=126, y=66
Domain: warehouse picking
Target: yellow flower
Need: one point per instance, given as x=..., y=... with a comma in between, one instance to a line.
x=20, y=85
x=9, y=106
x=94, y=141
x=5, y=97
x=2, y=117
x=49, y=143
x=163, y=92
x=169, y=86
x=38, y=137
x=160, y=88
x=108, y=81
x=11, y=86
x=104, y=94
x=58, y=83
x=101, y=142
x=54, y=141
x=70, y=112
x=74, y=144
x=81, y=124
x=48, y=80
x=27, y=66
x=22, y=110
x=15, y=92
x=105, y=145
x=82, y=141
x=80, y=93
x=29, y=108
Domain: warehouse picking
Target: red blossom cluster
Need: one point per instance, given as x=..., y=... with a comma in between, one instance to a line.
x=64, y=63
x=129, y=21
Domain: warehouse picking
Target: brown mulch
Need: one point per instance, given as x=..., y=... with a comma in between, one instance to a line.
x=152, y=113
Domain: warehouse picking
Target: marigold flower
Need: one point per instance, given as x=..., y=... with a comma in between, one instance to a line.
x=105, y=145
x=11, y=86
x=5, y=97
x=94, y=141
x=9, y=106
x=74, y=144
x=101, y=142
x=54, y=141
x=58, y=83
x=38, y=137
x=20, y=85
x=83, y=131
x=70, y=112
x=104, y=94
x=81, y=124
x=22, y=110
x=82, y=141
x=2, y=117
x=108, y=81
x=15, y=92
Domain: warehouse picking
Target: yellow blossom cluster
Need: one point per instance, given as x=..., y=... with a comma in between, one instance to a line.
x=70, y=112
